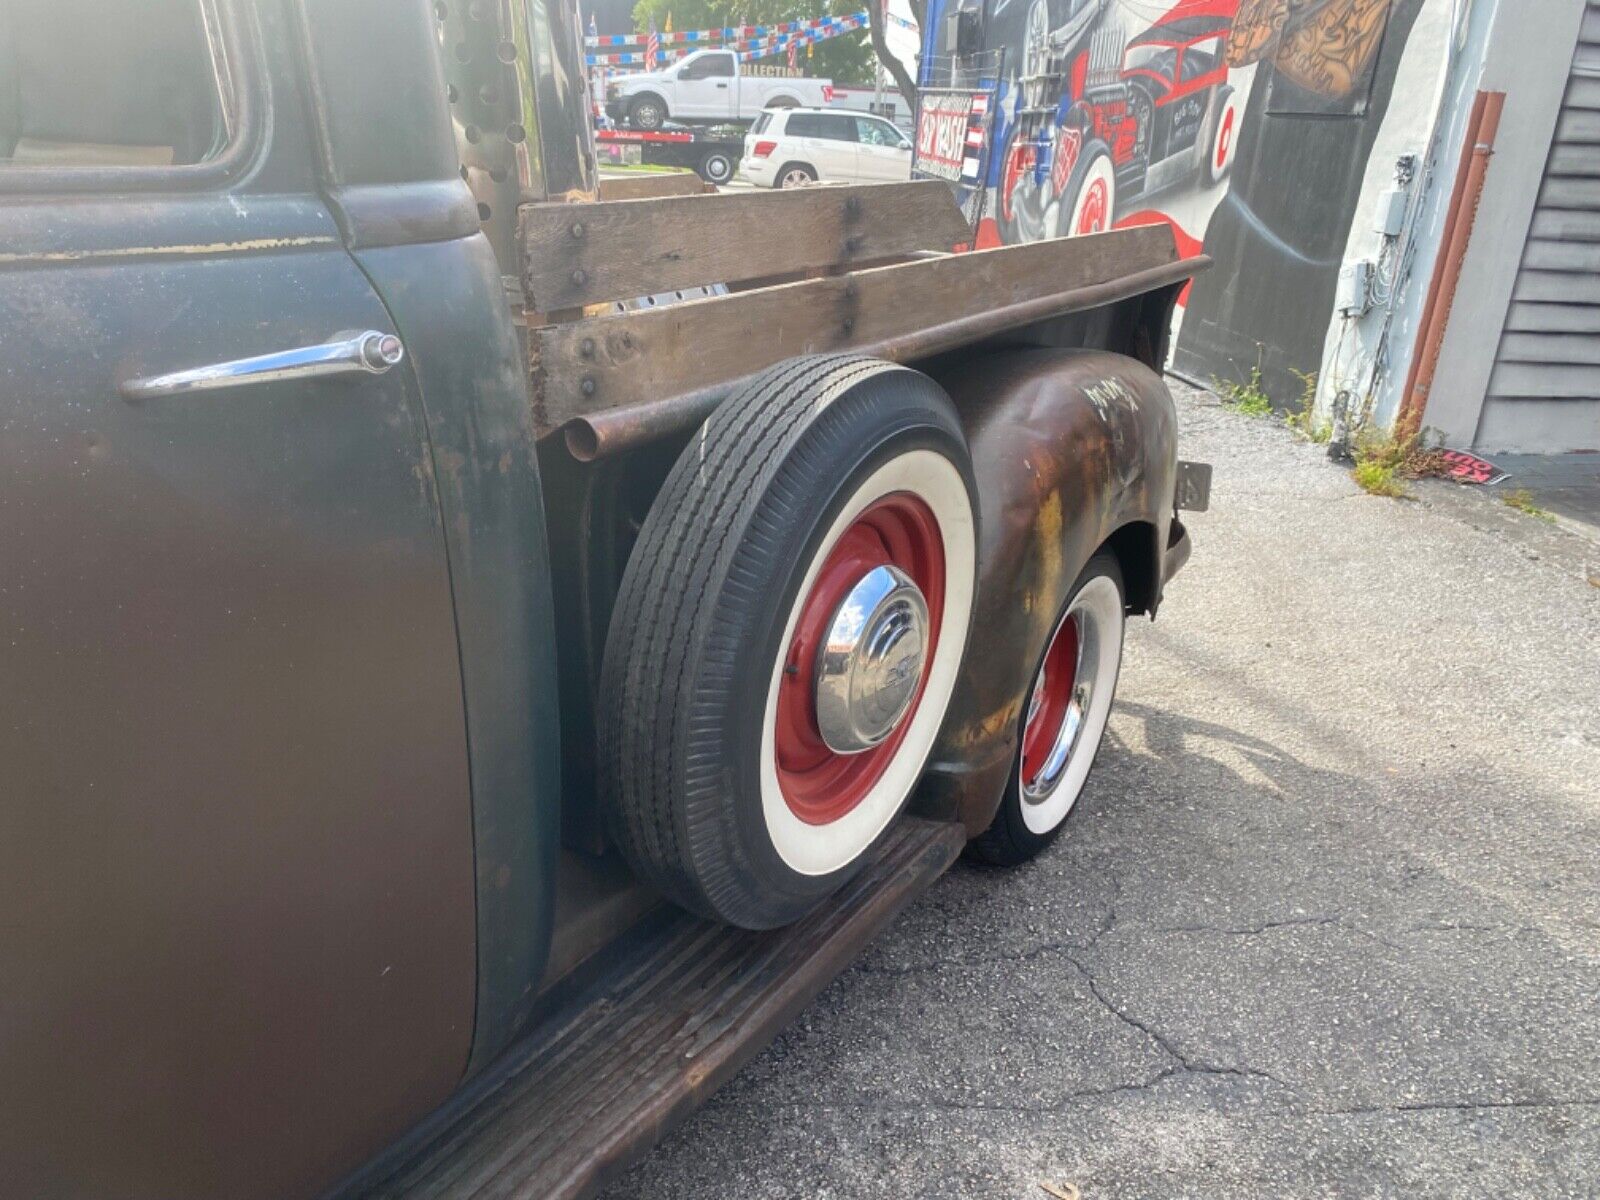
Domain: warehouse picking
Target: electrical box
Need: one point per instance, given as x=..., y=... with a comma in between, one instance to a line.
x=1390, y=220
x=961, y=32
x=1354, y=296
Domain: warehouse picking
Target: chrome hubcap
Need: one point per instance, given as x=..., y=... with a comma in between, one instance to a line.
x=871, y=664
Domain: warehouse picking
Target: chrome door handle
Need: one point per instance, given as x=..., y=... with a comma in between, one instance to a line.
x=366, y=353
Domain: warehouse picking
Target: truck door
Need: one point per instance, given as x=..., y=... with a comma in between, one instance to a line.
x=235, y=833
x=707, y=86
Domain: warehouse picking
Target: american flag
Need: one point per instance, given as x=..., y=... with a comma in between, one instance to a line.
x=652, y=48
x=793, y=47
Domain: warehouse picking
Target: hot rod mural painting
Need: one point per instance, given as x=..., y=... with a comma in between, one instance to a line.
x=1211, y=116
x=1104, y=118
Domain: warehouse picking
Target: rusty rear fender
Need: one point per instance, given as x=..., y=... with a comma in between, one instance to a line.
x=1073, y=450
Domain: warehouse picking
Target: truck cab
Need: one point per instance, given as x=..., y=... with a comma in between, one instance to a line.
x=706, y=86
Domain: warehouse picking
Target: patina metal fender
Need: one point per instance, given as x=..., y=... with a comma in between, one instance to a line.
x=1073, y=450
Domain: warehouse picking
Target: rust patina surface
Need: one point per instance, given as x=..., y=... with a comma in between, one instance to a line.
x=1071, y=448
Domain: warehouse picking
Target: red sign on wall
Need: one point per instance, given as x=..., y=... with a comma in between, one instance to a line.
x=942, y=123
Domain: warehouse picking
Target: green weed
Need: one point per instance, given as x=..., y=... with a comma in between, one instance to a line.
x=1522, y=500
x=1246, y=397
x=1378, y=479
x=1383, y=462
x=1303, y=420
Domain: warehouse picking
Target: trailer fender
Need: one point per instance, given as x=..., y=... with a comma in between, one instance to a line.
x=1072, y=450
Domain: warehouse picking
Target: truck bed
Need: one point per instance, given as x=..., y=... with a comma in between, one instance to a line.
x=865, y=268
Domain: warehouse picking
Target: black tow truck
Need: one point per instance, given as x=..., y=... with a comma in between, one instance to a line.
x=711, y=153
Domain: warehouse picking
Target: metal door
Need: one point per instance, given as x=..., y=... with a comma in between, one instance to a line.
x=235, y=834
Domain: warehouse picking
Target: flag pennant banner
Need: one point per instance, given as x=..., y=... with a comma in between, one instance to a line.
x=755, y=41
x=730, y=33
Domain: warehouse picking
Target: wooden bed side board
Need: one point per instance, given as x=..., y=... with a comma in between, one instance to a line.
x=575, y=255
x=623, y=361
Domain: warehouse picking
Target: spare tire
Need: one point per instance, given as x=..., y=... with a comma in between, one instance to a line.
x=787, y=636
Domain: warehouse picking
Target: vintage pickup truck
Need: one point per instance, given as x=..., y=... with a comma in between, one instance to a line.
x=707, y=87
x=480, y=655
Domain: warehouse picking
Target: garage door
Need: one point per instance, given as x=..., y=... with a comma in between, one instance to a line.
x=1544, y=394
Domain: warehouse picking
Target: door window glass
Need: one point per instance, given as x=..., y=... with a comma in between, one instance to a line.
x=712, y=66
x=86, y=83
x=836, y=127
x=804, y=125
x=876, y=133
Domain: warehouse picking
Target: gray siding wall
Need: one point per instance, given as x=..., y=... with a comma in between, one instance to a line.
x=1544, y=393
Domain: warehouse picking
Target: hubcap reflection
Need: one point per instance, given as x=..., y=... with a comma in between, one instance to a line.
x=871, y=663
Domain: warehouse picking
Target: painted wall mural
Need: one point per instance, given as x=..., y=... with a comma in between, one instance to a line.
x=1244, y=124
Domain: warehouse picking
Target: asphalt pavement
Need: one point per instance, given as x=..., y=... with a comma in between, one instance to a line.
x=1326, y=922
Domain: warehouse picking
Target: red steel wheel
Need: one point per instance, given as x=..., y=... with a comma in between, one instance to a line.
x=1051, y=701
x=819, y=783
x=1064, y=719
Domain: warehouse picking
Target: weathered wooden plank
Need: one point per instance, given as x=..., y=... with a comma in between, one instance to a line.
x=648, y=184
x=621, y=361
x=577, y=255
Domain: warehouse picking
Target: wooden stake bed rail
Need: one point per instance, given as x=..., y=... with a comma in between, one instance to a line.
x=611, y=378
x=578, y=254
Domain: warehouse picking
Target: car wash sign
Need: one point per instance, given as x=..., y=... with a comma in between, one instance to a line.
x=944, y=121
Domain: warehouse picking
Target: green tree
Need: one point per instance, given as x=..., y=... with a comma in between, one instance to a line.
x=844, y=59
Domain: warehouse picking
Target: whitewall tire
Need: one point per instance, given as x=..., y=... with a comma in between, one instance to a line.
x=787, y=637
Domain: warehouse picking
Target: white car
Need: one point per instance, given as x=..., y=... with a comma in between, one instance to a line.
x=795, y=146
x=708, y=87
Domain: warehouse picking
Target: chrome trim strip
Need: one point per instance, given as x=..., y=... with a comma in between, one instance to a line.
x=367, y=353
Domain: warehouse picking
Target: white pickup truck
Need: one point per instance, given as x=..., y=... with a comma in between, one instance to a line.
x=707, y=87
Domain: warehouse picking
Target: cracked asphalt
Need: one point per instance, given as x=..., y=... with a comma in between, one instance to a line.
x=1326, y=921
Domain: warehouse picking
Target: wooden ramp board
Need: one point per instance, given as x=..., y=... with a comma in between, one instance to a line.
x=624, y=361
x=620, y=1068
x=574, y=255
x=645, y=184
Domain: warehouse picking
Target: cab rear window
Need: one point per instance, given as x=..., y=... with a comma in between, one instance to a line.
x=92, y=83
